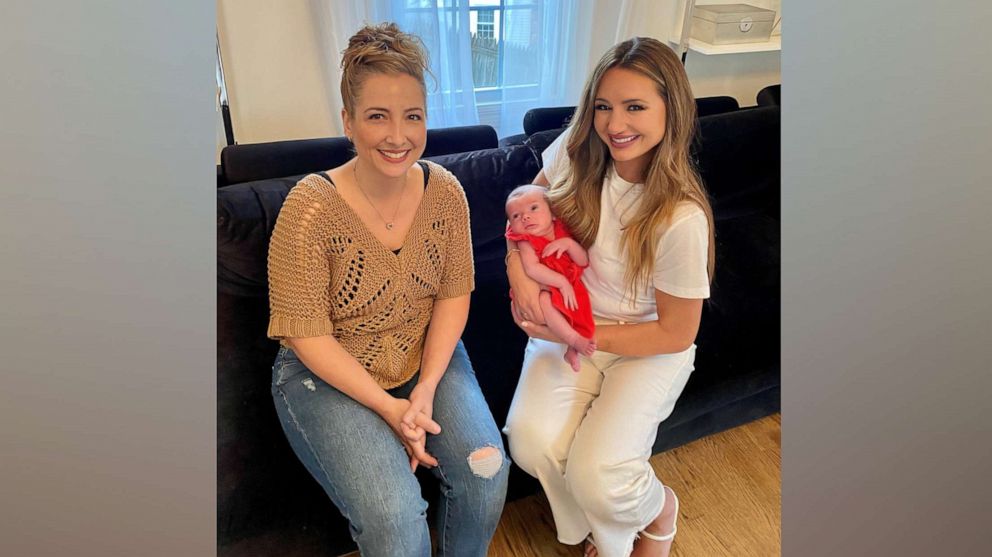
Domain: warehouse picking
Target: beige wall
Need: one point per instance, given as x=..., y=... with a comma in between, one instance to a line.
x=273, y=71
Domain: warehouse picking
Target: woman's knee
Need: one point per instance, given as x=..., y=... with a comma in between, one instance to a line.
x=483, y=474
x=531, y=445
x=387, y=512
x=391, y=525
x=489, y=469
x=603, y=487
x=486, y=462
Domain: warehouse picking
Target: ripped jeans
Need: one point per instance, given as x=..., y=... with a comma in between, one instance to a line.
x=362, y=466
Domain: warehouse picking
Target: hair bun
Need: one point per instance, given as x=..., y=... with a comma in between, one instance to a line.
x=383, y=36
x=381, y=48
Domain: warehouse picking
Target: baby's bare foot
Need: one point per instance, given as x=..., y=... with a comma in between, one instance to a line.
x=583, y=345
x=591, y=349
x=572, y=357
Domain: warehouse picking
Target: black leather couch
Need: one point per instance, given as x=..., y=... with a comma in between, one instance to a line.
x=269, y=505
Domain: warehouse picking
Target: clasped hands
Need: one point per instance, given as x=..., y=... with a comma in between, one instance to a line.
x=411, y=420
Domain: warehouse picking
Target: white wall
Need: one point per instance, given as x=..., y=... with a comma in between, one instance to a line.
x=273, y=71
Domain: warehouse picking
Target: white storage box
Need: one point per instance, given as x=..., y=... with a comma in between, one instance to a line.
x=731, y=24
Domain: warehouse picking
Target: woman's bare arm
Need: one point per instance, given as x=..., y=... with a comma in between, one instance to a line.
x=674, y=330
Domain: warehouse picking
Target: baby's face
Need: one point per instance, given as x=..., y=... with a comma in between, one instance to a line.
x=530, y=214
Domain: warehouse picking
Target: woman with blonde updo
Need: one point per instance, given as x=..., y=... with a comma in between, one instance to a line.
x=621, y=179
x=370, y=271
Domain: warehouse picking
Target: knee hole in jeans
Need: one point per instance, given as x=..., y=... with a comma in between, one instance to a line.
x=485, y=462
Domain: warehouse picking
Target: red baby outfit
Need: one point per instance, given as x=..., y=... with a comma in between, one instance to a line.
x=580, y=318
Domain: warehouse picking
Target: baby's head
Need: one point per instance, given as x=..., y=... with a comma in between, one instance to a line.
x=528, y=211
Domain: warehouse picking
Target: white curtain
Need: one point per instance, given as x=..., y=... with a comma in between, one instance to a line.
x=545, y=53
x=334, y=22
x=443, y=26
x=548, y=69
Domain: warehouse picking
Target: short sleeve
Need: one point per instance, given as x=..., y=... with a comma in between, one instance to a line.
x=680, y=267
x=459, y=270
x=555, y=158
x=299, y=270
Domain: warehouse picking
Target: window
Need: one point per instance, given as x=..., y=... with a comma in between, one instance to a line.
x=504, y=34
x=495, y=59
x=485, y=46
x=485, y=24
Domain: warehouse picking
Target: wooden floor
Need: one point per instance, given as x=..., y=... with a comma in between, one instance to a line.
x=729, y=491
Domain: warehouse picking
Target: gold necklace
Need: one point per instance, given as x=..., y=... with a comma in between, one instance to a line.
x=388, y=223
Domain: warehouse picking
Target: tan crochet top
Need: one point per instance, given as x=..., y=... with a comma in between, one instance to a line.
x=329, y=275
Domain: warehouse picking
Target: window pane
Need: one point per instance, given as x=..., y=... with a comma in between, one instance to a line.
x=521, y=52
x=485, y=48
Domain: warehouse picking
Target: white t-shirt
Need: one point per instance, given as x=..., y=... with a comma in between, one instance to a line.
x=680, y=256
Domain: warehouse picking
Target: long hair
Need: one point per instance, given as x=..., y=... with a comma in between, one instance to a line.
x=669, y=179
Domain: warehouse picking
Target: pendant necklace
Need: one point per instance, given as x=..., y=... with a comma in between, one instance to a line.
x=389, y=223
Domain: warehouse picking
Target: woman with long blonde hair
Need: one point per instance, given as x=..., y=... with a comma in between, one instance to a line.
x=622, y=180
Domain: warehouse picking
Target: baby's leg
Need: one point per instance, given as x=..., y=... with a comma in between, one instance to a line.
x=577, y=344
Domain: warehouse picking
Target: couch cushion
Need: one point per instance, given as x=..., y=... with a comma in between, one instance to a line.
x=707, y=106
x=246, y=215
x=541, y=119
x=460, y=139
x=738, y=155
x=488, y=176
x=539, y=141
x=738, y=340
x=262, y=161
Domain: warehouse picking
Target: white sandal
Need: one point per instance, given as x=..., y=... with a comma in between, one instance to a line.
x=675, y=526
x=589, y=540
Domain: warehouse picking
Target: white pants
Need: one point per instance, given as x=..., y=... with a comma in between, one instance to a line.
x=587, y=438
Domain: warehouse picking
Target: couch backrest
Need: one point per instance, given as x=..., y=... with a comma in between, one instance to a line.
x=261, y=161
x=770, y=96
x=738, y=155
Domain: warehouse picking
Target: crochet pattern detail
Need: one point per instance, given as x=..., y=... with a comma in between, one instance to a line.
x=328, y=275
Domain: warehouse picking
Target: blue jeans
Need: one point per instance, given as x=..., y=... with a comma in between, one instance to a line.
x=365, y=471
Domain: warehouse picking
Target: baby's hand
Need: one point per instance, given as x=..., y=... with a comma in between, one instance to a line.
x=568, y=293
x=556, y=247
